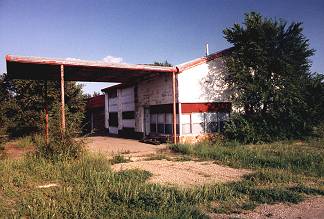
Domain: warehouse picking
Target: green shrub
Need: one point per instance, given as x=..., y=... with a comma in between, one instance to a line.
x=119, y=158
x=240, y=129
x=60, y=146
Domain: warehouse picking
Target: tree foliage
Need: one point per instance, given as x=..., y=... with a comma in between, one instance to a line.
x=22, y=105
x=269, y=71
x=165, y=63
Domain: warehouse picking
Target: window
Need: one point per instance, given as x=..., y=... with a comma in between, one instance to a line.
x=168, y=123
x=211, y=121
x=160, y=123
x=153, y=119
x=128, y=115
x=198, y=123
x=113, y=119
x=222, y=117
x=186, y=123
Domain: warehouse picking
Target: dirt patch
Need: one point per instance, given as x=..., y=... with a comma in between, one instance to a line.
x=111, y=146
x=310, y=208
x=187, y=173
x=12, y=151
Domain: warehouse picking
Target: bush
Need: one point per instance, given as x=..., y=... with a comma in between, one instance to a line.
x=260, y=129
x=59, y=147
x=240, y=129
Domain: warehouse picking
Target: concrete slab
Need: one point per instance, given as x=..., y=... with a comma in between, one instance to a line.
x=112, y=145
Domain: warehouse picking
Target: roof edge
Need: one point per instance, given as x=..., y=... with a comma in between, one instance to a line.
x=87, y=63
x=193, y=63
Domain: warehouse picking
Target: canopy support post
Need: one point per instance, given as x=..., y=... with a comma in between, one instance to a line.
x=174, y=108
x=62, y=101
x=46, y=115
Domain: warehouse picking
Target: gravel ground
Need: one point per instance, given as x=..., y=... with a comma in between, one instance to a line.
x=187, y=173
x=112, y=145
x=312, y=208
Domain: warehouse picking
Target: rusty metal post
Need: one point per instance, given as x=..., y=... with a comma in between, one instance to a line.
x=62, y=101
x=174, y=108
x=46, y=115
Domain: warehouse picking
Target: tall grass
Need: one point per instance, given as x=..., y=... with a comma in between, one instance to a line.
x=300, y=157
x=87, y=188
x=25, y=141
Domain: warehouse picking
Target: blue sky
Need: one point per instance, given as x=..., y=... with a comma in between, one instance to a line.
x=139, y=31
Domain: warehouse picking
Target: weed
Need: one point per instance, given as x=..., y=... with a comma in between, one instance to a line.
x=158, y=156
x=119, y=158
x=24, y=142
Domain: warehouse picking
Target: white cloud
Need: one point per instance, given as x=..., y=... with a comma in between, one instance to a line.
x=112, y=59
x=72, y=59
x=107, y=59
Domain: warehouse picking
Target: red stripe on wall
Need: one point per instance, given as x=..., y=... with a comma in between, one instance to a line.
x=206, y=107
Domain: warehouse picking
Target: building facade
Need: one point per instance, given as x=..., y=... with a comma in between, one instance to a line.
x=143, y=108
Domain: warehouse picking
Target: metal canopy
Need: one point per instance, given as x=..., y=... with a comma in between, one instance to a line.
x=38, y=68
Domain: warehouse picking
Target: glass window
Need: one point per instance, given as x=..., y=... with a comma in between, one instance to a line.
x=168, y=118
x=223, y=117
x=168, y=123
x=153, y=120
x=160, y=123
x=211, y=120
x=198, y=123
x=197, y=128
x=186, y=126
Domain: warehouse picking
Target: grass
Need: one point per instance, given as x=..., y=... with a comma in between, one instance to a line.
x=88, y=188
x=24, y=142
x=284, y=171
x=119, y=158
x=300, y=157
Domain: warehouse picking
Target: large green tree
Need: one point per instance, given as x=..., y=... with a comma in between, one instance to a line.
x=22, y=105
x=269, y=71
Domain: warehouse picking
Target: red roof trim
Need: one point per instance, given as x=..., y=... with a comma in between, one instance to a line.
x=206, y=107
x=202, y=60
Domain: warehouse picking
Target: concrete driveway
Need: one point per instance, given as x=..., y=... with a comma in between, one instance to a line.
x=112, y=146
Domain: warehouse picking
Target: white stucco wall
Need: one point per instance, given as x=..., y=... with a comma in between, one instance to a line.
x=192, y=86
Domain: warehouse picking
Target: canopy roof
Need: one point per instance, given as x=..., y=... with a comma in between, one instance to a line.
x=38, y=68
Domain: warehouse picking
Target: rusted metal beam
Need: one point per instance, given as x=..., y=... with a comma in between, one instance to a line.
x=62, y=101
x=174, y=108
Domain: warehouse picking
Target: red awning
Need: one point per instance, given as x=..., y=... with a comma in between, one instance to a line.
x=37, y=68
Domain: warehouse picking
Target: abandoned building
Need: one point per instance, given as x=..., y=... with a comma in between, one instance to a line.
x=166, y=103
x=144, y=107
